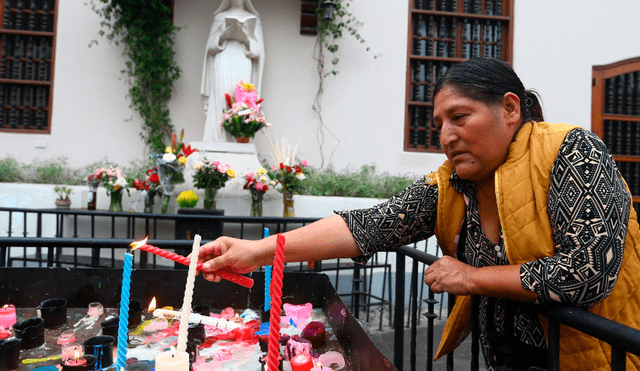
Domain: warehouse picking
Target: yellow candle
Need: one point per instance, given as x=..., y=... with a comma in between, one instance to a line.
x=172, y=360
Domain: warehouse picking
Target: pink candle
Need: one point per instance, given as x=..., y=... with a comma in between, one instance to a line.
x=301, y=362
x=75, y=361
x=70, y=350
x=7, y=316
x=276, y=301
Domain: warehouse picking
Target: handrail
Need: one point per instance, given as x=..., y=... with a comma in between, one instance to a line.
x=622, y=338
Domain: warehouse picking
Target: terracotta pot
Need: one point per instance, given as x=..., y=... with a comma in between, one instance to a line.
x=242, y=139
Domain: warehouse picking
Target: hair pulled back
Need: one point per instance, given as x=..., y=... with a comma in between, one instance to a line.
x=488, y=80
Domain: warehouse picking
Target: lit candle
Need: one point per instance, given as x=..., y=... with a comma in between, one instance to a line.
x=172, y=361
x=183, y=331
x=70, y=350
x=7, y=316
x=276, y=301
x=224, y=273
x=76, y=360
x=123, y=324
x=301, y=362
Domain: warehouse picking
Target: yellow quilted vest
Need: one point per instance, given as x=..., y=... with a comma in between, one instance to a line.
x=522, y=185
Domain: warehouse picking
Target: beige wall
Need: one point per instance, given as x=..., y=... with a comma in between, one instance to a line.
x=556, y=43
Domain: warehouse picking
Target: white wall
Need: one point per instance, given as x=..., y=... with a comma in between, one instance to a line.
x=556, y=45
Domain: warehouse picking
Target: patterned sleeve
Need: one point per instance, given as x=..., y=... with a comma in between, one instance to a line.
x=405, y=218
x=588, y=207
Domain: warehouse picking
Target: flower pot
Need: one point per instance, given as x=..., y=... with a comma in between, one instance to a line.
x=256, y=203
x=242, y=139
x=210, y=198
x=63, y=204
x=116, y=201
x=287, y=200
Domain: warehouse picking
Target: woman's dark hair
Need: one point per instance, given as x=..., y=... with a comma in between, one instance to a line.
x=488, y=80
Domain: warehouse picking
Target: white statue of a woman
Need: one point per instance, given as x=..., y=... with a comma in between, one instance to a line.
x=235, y=51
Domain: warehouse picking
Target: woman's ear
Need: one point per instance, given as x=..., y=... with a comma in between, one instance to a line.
x=511, y=105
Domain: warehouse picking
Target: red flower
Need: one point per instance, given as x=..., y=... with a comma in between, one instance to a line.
x=265, y=188
x=298, y=169
x=259, y=101
x=137, y=184
x=288, y=169
x=154, y=178
x=146, y=187
x=228, y=98
x=188, y=150
x=281, y=166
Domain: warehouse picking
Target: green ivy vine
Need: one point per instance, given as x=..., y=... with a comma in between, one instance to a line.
x=329, y=34
x=145, y=29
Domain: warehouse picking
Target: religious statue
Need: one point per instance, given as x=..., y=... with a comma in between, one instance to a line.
x=235, y=51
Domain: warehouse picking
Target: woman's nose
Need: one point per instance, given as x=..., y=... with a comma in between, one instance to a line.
x=447, y=135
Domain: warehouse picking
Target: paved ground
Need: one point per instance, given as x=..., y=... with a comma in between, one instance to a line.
x=462, y=355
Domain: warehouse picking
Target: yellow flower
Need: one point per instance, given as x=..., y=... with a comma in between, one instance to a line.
x=168, y=149
x=261, y=171
x=248, y=87
x=197, y=167
x=231, y=172
x=187, y=199
x=182, y=160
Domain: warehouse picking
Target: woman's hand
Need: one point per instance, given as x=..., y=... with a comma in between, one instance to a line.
x=239, y=256
x=450, y=275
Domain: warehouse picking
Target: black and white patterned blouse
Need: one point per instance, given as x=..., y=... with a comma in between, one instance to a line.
x=588, y=207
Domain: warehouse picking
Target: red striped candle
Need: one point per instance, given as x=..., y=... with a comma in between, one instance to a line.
x=273, y=353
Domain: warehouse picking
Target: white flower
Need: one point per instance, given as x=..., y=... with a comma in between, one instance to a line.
x=301, y=176
x=121, y=182
x=169, y=157
x=264, y=179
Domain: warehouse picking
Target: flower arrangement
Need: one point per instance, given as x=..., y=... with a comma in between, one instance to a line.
x=257, y=184
x=211, y=176
x=187, y=199
x=243, y=117
x=148, y=188
x=114, y=181
x=170, y=166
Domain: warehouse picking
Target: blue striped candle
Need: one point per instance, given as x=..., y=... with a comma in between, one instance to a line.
x=123, y=326
x=267, y=281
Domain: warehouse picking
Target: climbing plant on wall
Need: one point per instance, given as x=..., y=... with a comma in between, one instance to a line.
x=147, y=32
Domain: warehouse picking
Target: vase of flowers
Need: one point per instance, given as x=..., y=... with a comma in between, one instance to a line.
x=290, y=179
x=115, y=183
x=170, y=167
x=148, y=188
x=92, y=195
x=243, y=117
x=211, y=176
x=257, y=184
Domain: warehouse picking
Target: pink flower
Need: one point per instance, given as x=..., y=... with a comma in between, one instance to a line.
x=304, y=163
x=223, y=168
x=274, y=168
x=259, y=186
x=246, y=93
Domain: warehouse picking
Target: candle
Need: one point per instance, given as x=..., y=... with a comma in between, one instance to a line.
x=319, y=367
x=123, y=325
x=66, y=337
x=267, y=281
x=69, y=351
x=183, y=331
x=75, y=361
x=224, y=273
x=172, y=361
x=315, y=333
x=301, y=362
x=196, y=318
x=7, y=316
x=276, y=302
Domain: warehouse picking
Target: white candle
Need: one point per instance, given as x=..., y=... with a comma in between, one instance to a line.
x=196, y=318
x=172, y=361
x=188, y=295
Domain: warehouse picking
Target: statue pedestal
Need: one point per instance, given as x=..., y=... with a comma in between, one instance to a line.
x=242, y=157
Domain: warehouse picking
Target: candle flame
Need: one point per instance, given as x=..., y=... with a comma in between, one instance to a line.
x=76, y=356
x=6, y=306
x=136, y=244
x=152, y=305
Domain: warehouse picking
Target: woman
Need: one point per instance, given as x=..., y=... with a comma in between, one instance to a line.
x=543, y=212
x=234, y=52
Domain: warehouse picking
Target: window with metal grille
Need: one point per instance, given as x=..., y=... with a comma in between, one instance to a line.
x=27, y=42
x=615, y=117
x=441, y=34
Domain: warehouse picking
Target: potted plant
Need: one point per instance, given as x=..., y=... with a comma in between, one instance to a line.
x=63, y=201
x=243, y=117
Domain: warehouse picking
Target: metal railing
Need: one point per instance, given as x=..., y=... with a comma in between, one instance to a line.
x=622, y=338
x=81, y=238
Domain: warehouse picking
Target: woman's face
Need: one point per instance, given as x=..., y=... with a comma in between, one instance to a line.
x=475, y=135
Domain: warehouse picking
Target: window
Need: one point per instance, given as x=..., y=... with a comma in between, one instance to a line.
x=27, y=42
x=615, y=117
x=441, y=34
